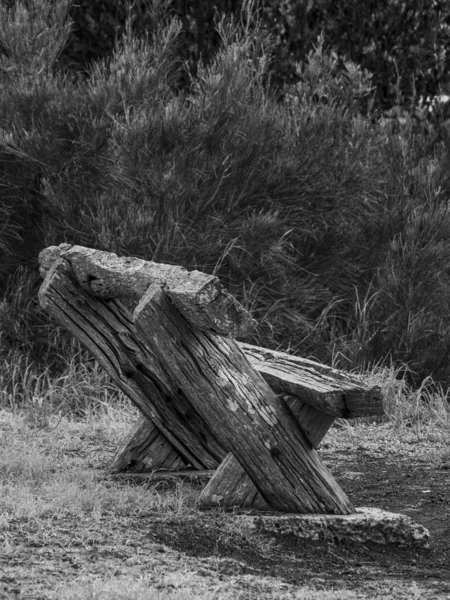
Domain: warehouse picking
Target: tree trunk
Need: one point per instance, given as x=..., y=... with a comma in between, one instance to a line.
x=200, y=299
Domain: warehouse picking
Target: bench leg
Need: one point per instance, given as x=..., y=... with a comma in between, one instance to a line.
x=145, y=449
x=230, y=487
x=313, y=422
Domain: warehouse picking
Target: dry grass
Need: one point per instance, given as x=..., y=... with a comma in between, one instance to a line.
x=191, y=587
x=56, y=473
x=58, y=470
x=416, y=424
x=54, y=469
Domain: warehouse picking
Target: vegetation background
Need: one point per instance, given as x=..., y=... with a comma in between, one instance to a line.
x=296, y=150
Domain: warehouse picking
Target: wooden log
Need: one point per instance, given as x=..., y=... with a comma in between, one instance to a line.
x=146, y=450
x=231, y=487
x=108, y=331
x=242, y=411
x=198, y=296
x=327, y=390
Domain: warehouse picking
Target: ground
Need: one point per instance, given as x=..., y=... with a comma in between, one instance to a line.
x=371, y=478
x=95, y=553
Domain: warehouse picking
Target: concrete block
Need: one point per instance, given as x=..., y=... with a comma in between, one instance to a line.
x=366, y=525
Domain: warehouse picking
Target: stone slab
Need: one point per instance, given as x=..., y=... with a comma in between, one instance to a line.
x=366, y=525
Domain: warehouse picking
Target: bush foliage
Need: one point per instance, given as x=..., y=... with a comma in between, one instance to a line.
x=405, y=44
x=332, y=228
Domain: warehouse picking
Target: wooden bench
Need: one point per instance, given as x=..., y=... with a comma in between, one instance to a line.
x=254, y=417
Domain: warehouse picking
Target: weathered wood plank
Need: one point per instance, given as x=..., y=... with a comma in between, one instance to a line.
x=146, y=450
x=198, y=296
x=197, y=387
x=242, y=411
x=327, y=390
x=314, y=423
x=141, y=453
x=108, y=331
x=323, y=393
x=230, y=487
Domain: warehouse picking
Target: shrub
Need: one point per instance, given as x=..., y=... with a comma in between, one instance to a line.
x=323, y=222
x=405, y=45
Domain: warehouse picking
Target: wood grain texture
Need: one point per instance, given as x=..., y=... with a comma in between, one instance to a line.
x=313, y=422
x=231, y=487
x=197, y=387
x=108, y=331
x=146, y=450
x=198, y=296
x=243, y=413
x=328, y=390
x=306, y=374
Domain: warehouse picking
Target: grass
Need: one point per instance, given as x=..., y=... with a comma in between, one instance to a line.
x=47, y=471
x=49, y=476
x=54, y=470
x=191, y=589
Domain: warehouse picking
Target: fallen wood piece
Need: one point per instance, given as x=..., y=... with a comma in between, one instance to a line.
x=196, y=386
x=198, y=296
x=328, y=390
x=161, y=362
x=230, y=487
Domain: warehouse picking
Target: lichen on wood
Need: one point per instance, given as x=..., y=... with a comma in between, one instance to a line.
x=199, y=297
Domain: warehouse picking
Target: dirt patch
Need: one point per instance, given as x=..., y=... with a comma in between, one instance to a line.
x=190, y=550
x=415, y=489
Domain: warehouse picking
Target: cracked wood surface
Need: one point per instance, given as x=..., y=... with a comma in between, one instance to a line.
x=107, y=330
x=198, y=296
x=244, y=414
x=146, y=450
x=321, y=395
x=199, y=390
x=326, y=389
x=230, y=487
